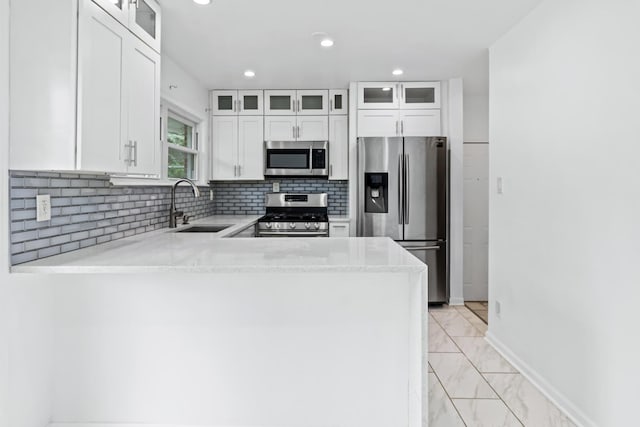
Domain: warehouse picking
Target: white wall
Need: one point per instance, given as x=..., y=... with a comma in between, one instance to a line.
x=25, y=304
x=564, y=236
x=182, y=90
x=476, y=118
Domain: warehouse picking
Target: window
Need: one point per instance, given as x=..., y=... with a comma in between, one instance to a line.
x=181, y=141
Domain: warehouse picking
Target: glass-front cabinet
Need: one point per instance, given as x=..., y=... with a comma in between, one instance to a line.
x=422, y=95
x=142, y=17
x=296, y=102
x=338, y=104
x=378, y=95
x=280, y=102
x=237, y=102
x=312, y=102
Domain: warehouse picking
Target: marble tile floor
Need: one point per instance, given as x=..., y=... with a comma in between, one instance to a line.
x=479, y=308
x=471, y=385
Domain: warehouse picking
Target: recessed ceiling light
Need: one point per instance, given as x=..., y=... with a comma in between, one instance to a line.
x=397, y=72
x=326, y=42
x=249, y=73
x=386, y=89
x=202, y=1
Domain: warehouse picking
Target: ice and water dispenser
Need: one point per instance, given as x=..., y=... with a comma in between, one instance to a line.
x=376, y=192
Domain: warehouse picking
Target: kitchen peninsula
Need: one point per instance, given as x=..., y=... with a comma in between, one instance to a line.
x=197, y=329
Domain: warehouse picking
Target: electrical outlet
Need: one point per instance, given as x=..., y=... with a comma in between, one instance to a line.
x=498, y=308
x=210, y=194
x=276, y=187
x=43, y=207
x=500, y=188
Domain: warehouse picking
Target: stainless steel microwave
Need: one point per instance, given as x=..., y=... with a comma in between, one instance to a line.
x=296, y=158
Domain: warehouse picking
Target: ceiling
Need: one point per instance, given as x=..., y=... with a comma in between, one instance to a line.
x=428, y=39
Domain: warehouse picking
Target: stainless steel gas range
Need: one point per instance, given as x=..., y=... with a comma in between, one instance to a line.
x=294, y=215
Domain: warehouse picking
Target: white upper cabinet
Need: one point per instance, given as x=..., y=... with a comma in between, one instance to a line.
x=390, y=95
x=145, y=21
x=237, y=102
x=338, y=147
x=141, y=17
x=280, y=128
x=419, y=95
x=296, y=102
x=338, y=102
x=378, y=123
x=237, y=148
x=296, y=128
x=312, y=102
x=419, y=122
x=378, y=95
x=313, y=128
x=280, y=102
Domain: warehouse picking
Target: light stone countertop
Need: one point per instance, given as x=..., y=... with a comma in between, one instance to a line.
x=167, y=251
x=339, y=218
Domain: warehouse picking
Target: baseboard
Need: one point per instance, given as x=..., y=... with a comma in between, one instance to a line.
x=558, y=399
x=456, y=301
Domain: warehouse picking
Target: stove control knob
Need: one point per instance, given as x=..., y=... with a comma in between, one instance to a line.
x=316, y=225
x=292, y=225
x=268, y=225
x=307, y=225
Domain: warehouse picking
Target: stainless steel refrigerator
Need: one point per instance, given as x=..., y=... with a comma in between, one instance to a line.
x=403, y=194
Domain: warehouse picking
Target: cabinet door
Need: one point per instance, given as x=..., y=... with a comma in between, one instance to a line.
x=101, y=90
x=338, y=147
x=338, y=229
x=280, y=128
x=420, y=95
x=250, y=102
x=378, y=123
x=338, y=102
x=224, y=147
x=378, y=95
x=119, y=9
x=420, y=123
x=143, y=93
x=224, y=102
x=145, y=21
x=250, y=147
x=313, y=128
x=312, y=102
x=280, y=102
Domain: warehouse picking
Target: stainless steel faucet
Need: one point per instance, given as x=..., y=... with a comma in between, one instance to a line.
x=173, y=213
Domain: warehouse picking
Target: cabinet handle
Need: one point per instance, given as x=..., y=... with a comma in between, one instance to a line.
x=396, y=127
x=239, y=105
x=331, y=105
x=293, y=131
x=330, y=170
x=338, y=226
x=239, y=170
x=298, y=105
x=299, y=132
x=135, y=153
x=402, y=127
x=402, y=92
x=129, y=147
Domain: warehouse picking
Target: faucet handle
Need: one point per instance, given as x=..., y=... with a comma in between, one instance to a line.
x=185, y=219
x=177, y=213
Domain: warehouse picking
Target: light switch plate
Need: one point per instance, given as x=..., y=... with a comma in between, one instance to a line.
x=43, y=207
x=276, y=187
x=499, y=184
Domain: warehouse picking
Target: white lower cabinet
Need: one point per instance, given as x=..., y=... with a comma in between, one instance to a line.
x=237, y=148
x=296, y=128
x=338, y=229
x=338, y=147
x=385, y=123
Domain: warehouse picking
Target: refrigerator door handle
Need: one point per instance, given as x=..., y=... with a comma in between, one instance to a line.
x=422, y=248
x=400, y=201
x=406, y=189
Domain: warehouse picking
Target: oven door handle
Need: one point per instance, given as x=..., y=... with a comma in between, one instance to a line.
x=286, y=234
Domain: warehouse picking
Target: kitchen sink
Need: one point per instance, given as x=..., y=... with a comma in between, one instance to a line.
x=204, y=228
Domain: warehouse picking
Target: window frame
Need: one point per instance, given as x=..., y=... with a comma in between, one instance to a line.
x=168, y=109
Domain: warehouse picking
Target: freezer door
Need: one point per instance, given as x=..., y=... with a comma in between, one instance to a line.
x=379, y=187
x=425, y=207
x=434, y=254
